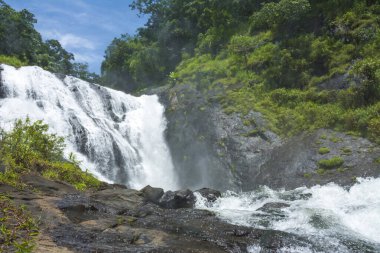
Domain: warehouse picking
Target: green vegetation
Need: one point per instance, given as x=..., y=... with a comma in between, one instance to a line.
x=21, y=44
x=332, y=163
x=304, y=65
x=307, y=175
x=346, y=150
x=335, y=139
x=324, y=150
x=377, y=160
x=17, y=229
x=30, y=148
x=321, y=171
x=12, y=61
x=253, y=133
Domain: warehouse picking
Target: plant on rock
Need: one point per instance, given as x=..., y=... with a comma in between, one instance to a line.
x=28, y=147
x=332, y=163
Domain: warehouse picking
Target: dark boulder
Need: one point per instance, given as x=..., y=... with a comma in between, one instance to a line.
x=177, y=199
x=117, y=201
x=152, y=194
x=210, y=194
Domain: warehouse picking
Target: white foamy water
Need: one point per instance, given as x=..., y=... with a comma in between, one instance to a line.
x=119, y=137
x=334, y=219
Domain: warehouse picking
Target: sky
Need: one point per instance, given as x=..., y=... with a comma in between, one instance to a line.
x=83, y=27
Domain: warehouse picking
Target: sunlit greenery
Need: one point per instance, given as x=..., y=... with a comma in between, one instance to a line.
x=303, y=64
x=28, y=147
x=12, y=61
x=21, y=44
x=332, y=163
x=324, y=150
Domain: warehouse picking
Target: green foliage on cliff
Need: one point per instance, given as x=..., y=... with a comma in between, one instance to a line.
x=23, y=45
x=324, y=150
x=304, y=64
x=12, y=61
x=28, y=147
x=332, y=163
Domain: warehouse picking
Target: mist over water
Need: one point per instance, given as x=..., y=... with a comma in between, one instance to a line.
x=330, y=216
x=119, y=137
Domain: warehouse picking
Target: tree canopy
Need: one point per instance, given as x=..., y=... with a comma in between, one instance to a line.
x=19, y=39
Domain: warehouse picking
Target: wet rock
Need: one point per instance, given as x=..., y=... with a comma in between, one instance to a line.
x=112, y=186
x=273, y=206
x=152, y=194
x=296, y=162
x=177, y=199
x=120, y=220
x=118, y=201
x=238, y=152
x=210, y=194
x=46, y=186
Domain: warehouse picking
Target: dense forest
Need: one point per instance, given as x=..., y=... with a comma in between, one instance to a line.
x=21, y=44
x=304, y=64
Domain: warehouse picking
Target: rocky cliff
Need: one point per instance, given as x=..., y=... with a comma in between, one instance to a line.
x=228, y=151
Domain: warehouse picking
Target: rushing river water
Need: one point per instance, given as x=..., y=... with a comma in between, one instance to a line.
x=332, y=218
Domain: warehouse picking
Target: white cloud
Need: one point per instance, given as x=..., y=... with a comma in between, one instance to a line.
x=73, y=41
x=87, y=57
x=69, y=40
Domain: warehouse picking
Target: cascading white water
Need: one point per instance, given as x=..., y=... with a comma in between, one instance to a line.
x=119, y=137
x=329, y=216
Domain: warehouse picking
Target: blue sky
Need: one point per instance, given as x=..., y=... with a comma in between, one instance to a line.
x=84, y=27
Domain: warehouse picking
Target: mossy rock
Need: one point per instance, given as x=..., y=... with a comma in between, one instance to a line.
x=324, y=150
x=252, y=133
x=332, y=163
x=335, y=139
x=346, y=150
x=321, y=171
x=307, y=175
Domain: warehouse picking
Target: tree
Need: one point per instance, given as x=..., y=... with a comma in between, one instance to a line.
x=284, y=15
x=17, y=34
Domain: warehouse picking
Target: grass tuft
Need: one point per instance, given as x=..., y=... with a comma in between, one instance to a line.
x=324, y=150
x=332, y=163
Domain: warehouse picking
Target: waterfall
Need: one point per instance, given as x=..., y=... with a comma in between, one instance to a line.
x=118, y=137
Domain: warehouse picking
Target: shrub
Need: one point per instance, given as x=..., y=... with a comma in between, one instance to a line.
x=29, y=147
x=346, y=150
x=374, y=129
x=28, y=142
x=332, y=163
x=324, y=151
x=70, y=173
x=321, y=171
x=11, y=60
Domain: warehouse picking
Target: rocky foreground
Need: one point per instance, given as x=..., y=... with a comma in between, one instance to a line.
x=117, y=219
